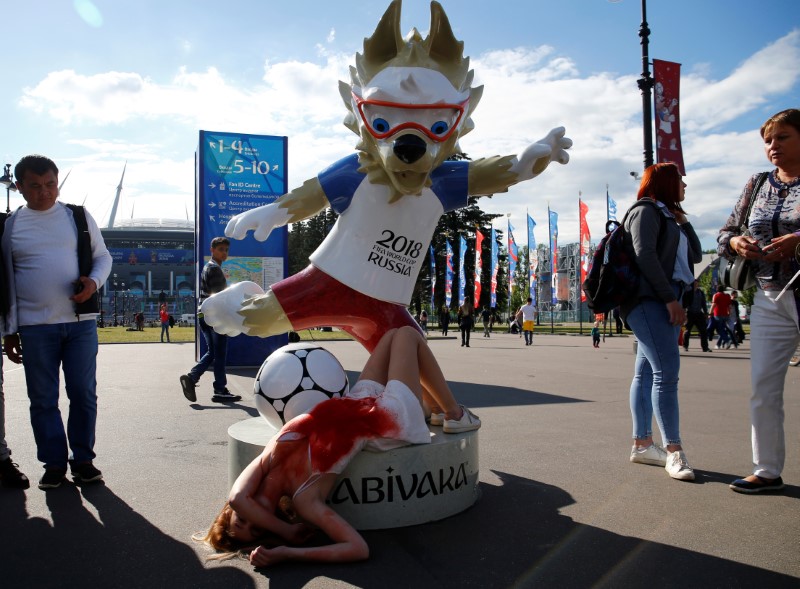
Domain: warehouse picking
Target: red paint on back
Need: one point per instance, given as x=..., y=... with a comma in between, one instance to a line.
x=336, y=427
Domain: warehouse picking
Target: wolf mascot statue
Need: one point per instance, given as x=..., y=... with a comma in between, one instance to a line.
x=409, y=101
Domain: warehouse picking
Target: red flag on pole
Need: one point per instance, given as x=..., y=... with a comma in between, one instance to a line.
x=666, y=93
x=584, y=243
x=478, y=265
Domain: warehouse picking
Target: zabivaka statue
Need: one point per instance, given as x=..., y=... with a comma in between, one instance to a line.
x=409, y=100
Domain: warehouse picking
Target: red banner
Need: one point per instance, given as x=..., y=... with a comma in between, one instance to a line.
x=478, y=266
x=666, y=94
x=584, y=243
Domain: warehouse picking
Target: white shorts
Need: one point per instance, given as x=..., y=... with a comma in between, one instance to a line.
x=397, y=399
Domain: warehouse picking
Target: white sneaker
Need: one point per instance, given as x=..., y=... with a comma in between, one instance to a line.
x=468, y=422
x=652, y=454
x=678, y=467
x=436, y=419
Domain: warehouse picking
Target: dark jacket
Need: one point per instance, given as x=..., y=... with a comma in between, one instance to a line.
x=655, y=253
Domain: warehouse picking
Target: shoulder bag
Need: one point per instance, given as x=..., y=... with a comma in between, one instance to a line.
x=737, y=272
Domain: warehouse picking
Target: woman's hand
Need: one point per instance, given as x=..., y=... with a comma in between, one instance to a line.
x=677, y=315
x=746, y=247
x=262, y=557
x=781, y=248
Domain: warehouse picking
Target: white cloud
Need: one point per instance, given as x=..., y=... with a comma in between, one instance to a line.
x=527, y=92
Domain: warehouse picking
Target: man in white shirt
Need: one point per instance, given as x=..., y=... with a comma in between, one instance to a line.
x=528, y=318
x=52, y=316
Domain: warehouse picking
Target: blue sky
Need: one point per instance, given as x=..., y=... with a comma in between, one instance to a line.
x=94, y=84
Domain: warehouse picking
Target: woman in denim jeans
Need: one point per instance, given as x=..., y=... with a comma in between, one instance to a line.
x=665, y=248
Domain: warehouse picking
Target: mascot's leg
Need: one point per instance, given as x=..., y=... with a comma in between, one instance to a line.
x=264, y=316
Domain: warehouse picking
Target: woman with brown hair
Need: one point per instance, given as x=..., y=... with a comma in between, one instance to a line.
x=665, y=248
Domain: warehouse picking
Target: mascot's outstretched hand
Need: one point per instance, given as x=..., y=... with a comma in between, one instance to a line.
x=262, y=220
x=536, y=157
x=220, y=311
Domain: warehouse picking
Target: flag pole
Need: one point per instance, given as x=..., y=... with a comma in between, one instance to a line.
x=550, y=247
x=579, y=266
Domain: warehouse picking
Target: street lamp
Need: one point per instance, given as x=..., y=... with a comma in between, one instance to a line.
x=8, y=181
x=645, y=84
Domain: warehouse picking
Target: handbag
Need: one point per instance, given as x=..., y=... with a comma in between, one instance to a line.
x=737, y=272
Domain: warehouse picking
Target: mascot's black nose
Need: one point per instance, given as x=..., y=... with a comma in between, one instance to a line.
x=409, y=148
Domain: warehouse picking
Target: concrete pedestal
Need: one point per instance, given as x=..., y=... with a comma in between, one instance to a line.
x=403, y=487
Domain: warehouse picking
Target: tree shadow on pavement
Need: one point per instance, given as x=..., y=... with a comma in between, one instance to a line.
x=514, y=536
x=121, y=550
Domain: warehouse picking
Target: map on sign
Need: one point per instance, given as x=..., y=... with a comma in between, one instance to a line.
x=264, y=271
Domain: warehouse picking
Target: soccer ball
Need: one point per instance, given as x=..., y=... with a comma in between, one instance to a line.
x=294, y=379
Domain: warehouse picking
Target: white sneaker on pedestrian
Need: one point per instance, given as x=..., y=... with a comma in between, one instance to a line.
x=652, y=454
x=436, y=419
x=678, y=467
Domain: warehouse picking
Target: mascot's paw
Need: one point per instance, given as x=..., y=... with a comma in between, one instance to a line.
x=221, y=311
x=261, y=220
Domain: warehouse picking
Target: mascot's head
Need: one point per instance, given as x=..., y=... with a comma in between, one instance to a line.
x=409, y=100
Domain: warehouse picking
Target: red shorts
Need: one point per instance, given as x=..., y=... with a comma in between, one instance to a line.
x=312, y=298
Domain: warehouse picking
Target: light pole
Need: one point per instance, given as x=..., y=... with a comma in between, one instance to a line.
x=646, y=86
x=8, y=181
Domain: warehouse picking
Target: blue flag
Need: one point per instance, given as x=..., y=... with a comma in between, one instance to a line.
x=494, y=268
x=612, y=207
x=433, y=279
x=533, y=260
x=448, y=275
x=553, y=255
x=513, y=256
x=462, y=280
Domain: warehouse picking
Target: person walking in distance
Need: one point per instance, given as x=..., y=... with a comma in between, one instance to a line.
x=212, y=281
x=528, y=319
x=694, y=301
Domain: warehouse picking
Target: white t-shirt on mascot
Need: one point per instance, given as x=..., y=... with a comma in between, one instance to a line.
x=378, y=248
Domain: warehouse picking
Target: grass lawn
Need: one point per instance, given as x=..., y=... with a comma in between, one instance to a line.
x=121, y=335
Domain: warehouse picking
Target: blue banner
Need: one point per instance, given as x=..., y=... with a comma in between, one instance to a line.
x=612, y=207
x=448, y=275
x=462, y=279
x=235, y=173
x=553, y=216
x=433, y=280
x=494, y=268
x=513, y=257
x=533, y=260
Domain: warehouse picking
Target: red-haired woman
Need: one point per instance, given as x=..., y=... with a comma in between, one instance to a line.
x=665, y=248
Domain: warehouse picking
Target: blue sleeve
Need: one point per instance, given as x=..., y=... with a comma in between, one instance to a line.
x=339, y=182
x=450, y=183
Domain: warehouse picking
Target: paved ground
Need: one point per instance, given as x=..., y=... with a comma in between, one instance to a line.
x=561, y=505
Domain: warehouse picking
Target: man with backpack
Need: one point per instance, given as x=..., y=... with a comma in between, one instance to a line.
x=55, y=260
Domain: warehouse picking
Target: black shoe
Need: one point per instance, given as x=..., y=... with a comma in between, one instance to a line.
x=225, y=396
x=189, y=387
x=762, y=486
x=86, y=473
x=52, y=478
x=11, y=477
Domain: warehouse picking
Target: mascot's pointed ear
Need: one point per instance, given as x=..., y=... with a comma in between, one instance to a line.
x=442, y=44
x=386, y=42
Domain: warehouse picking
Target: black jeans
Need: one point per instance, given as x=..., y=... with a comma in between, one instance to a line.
x=698, y=320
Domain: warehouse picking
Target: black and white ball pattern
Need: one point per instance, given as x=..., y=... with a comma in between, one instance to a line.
x=295, y=378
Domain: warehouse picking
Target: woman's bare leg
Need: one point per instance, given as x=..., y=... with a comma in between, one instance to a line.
x=412, y=363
